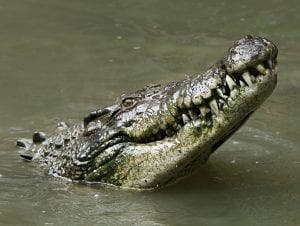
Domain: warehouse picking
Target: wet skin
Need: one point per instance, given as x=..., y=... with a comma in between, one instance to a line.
x=162, y=132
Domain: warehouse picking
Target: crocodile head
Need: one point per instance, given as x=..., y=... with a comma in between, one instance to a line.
x=163, y=132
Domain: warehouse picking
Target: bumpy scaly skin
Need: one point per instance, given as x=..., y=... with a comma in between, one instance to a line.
x=160, y=133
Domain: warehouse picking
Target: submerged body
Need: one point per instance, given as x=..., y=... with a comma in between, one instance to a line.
x=162, y=132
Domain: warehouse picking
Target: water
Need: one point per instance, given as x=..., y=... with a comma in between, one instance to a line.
x=60, y=59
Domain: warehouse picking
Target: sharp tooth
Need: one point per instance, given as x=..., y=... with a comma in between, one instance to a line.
x=214, y=106
x=261, y=69
x=185, y=118
x=268, y=72
x=180, y=102
x=220, y=93
x=204, y=110
x=224, y=89
x=221, y=103
x=187, y=101
x=242, y=83
x=247, y=78
x=270, y=63
x=233, y=94
x=230, y=82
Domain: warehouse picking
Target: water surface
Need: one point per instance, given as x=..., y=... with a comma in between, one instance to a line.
x=60, y=59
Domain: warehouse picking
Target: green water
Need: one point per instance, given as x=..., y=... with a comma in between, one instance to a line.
x=60, y=59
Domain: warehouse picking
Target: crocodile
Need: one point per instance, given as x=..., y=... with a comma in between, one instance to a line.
x=154, y=136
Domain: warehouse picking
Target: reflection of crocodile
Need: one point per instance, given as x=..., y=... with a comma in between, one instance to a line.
x=160, y=133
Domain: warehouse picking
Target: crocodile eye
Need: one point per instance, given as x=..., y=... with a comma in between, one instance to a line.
x=128, y=103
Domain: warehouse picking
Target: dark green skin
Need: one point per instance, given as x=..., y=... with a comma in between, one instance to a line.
x=152, y=137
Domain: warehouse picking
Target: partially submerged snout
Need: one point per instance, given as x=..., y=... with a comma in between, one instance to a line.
x=160, y=133
x=198, y=114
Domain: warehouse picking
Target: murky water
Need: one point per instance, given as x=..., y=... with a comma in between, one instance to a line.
x=60, y=59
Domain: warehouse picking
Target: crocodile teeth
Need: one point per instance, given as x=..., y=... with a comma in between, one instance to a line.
x=233, y=94
x=261, y=69
x=187, y=101
x=270, y=63
x=220, y=93
x=230, y=82
x=204, y=110
x=247, y=78
x=242, y=84
x=185, y=118
x=214, y=106
x=221, y=101
x=180, y=102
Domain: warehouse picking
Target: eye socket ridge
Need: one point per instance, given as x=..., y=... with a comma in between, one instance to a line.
x=129, y=102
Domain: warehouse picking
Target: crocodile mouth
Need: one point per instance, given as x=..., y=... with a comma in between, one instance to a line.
x=232, y=88
x=207, y=116
x=234, y=85
x=216, y=98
